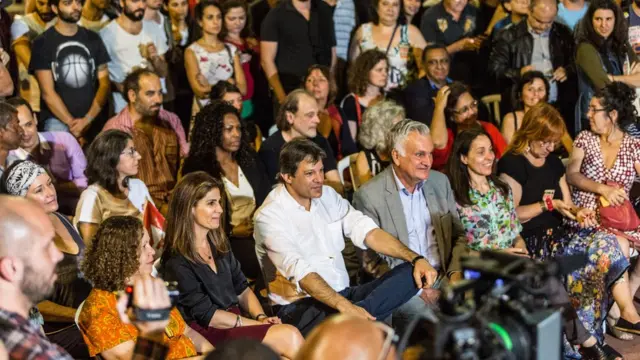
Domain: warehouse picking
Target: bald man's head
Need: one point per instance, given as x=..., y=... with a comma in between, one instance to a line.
x=28, y=255
x=346, y=337
x=542, y=13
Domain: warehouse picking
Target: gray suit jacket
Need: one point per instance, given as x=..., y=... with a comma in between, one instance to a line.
x=378, y=198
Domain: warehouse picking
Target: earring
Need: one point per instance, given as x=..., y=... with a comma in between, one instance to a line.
x=527, y=149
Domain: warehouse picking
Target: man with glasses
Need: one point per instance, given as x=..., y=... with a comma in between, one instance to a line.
x=157, y=134
x=541, y=44
x=418, y=97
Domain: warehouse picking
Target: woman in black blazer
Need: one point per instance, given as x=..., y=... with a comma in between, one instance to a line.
x=220, y=147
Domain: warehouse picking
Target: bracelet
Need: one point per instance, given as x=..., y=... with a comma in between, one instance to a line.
x=549, y=204
x=543, y=207
x=415, y=259
x=261, y=315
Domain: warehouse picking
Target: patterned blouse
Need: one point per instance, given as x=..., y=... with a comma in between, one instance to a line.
x=102, y=329
x=492, y=222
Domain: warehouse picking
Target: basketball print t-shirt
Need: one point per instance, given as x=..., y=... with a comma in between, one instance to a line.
x=73, y=62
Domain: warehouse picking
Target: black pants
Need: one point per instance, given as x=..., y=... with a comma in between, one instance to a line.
x=68, y=338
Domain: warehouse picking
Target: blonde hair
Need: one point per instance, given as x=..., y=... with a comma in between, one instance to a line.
x=377, y=121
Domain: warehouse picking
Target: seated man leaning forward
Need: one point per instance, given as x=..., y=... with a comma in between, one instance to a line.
x=416, y=204
x=299, y=233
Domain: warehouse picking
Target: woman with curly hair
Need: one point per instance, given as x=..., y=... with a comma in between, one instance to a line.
x=367, y=80
x=119, y=253
x=30, y=180
x=319, y=83
x=215, y=297
x=229, y=93
x=221, y=149
x=112, y=163
x=603, y=167
x=603, y=54
x=374, y=157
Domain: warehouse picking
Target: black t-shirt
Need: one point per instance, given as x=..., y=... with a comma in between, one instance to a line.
x=269, y=154
x=301, y=43
x=534, y=181
x=350, y=110
x=74, y=62
x=438, y=26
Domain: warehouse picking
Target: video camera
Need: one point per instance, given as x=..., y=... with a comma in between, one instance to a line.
x=499, y=311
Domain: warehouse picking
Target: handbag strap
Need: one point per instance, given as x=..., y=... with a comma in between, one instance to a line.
x=391, y=40
x=358, y=109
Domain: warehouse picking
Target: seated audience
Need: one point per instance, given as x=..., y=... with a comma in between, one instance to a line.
x=26, y=242
x=532, y=87
x=300, y=231
x=419, y=96
x=27, y=179
x=319, y=83
x=58, y=151
x=298, y=117
x=214, y=293
x=456, y=110
x=221, y=149
x=603, y=165
x=349, y=337
x=119, y=253
x=229, y=93
x=543, y=202
x=409, y=185
x=243, y=349
x=491, y=216
x=375, y=156
x=157, y=134
x=603, y=55
x=11, y=134
x=404, y=52
x=367, y=81
x=112, y=164
x=208, y=59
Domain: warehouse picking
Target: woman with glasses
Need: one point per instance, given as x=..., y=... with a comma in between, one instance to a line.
x=544, y=206
x=603, y=54
x=112, y=164
x=604, y=164
x=456, y=110
x=389, y=33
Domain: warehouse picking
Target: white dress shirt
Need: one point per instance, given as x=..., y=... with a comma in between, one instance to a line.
x=292, y=242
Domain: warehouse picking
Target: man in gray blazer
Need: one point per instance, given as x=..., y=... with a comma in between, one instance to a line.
x=416, y=205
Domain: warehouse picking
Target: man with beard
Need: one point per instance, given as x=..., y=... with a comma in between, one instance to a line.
x=157, y=134
x=131, y=44
x=93, y=15
x=24, y=30
x=10, y=134
x=70, y=63
x=28, y=259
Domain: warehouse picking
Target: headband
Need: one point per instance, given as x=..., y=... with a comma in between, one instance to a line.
x=22, y=176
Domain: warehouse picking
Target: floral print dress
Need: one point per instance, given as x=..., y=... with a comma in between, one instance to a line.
x=492, y=222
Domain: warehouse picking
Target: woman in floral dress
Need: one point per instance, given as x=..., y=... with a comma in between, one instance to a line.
x=488, y=213
x=543, y=202
x=604, y=155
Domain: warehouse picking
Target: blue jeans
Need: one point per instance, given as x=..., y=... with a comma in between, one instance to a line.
x=53, y=124
x=379, y=297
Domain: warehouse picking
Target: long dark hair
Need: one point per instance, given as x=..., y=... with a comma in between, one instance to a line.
x=456, y=90
x=525, y=79
x=358, y=74
x=103, y=157
x=458, y=172
x=227, y=5
x=199, y=14
x=618, y=39
x=207, y=136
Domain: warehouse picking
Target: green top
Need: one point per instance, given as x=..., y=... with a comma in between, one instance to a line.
x=589, y=61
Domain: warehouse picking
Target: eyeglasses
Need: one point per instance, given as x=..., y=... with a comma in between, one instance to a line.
x=434, y=62
x=592, y=109
x=130, y=151
x=464, y=109
x=390, y=339
x=548, y=143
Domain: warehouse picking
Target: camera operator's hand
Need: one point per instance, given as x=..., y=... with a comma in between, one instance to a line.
x=422, y=269
x=346, y=307
x=148, y=294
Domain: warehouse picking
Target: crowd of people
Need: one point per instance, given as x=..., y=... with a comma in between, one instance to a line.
x=308, y=174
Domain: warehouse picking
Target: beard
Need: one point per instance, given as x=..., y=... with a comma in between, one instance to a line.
x=133, y=15
x=36, y=287
x=70, y=18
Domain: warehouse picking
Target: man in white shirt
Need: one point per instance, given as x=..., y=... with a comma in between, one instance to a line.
x=299, y=232
x=131, y=44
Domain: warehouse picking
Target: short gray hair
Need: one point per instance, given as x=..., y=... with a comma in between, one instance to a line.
x=376, y=123
x=400, y=131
